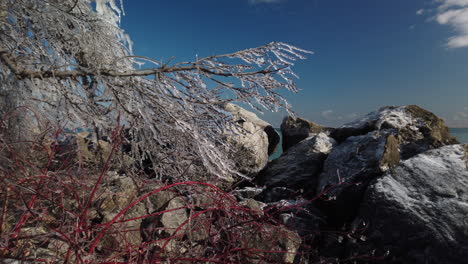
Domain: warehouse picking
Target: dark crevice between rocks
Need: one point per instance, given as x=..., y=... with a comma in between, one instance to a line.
x=241, y=184
x=273, y=139
x=275, y=194
x=340, y=214
x=306, y=188
x=344, y=208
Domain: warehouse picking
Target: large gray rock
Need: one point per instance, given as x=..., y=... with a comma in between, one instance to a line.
x=118, y=192
x=417, y=129
x=295, y=129
x=255, y=140
x=300, y=166
x=352, y=165
x=418, y=212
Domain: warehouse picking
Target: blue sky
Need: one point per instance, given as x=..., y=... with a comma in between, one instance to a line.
x=367, y=53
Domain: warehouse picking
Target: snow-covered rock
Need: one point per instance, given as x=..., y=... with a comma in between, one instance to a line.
x=295, y=129
x=352, y=165
x=255, y=140
x=416, y=129
x=418, y=212
x=299, y=167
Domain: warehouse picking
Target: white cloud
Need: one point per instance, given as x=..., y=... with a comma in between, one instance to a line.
x=460, y=116
x=420, y=12
x=335, y=119
x=459, y=119
x=327, y=114
x=452, y=3
x=454, y=13
x=254, y=2
x=331, y=115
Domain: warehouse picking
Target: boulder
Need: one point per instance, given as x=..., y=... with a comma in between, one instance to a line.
x=118, y=192
x=162, y=224
x=295, y=129
x=90, y=151
x=175, y=217
x=254, y=139
x=300, y=166
x=270, y=244
x=417, y=213
x=351, y=166
x=417, y=129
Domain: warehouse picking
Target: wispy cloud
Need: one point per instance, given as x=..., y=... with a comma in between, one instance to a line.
x=454, y=13
x=254, y=2
x=351, y=116
x=459, y=119
x=332, y=116
x=452, y=3
x=327, y=114
x=420, y=12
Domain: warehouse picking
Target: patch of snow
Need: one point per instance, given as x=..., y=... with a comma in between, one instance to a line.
x=245, y=114
x=393, y=190
x=441, y=161
x=396, y=117
x=438, y=159
x=323, y=143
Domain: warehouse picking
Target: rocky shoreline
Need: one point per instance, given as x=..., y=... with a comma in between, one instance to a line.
x=392, y=186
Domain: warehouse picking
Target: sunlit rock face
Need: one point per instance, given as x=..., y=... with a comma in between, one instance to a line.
x=418, y=211
x=417, y=129
x=255, y=140
x=295, y=129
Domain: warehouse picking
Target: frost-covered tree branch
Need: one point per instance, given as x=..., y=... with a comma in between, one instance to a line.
x=201, y=65
x=70, y=60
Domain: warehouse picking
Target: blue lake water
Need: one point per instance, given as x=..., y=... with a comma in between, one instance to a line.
x=460, y=133
x=279, y=148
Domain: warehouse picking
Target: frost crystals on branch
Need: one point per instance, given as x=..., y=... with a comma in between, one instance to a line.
x=71, y=60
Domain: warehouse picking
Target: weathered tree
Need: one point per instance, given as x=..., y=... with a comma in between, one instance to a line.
x=70, y=61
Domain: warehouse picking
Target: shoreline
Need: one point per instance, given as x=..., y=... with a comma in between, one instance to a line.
x=461, y=133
